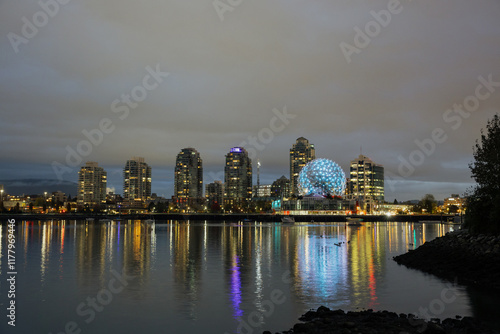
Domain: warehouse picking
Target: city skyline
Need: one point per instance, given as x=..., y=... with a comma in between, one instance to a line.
x=92, y=83
x=212, y=177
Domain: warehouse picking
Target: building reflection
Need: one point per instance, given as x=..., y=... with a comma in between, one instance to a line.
x=187, y=244
x=136, y=251
x=90, y=252
x=319, y=265
x=331, y=264
x=367, y=261
x=237, y=257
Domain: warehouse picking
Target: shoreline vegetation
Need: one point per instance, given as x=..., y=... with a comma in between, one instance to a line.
x=259, y=217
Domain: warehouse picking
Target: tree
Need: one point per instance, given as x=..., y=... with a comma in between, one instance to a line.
x=395, y=201
x=31, y=207
x=151, y=206
x=483, y=211
x=215, y=208
x=429, y=203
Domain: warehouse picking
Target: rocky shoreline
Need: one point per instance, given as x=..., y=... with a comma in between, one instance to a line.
x=472, y=260
x=326, y=321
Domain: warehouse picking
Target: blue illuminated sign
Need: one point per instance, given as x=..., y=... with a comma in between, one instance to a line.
x=236, y=150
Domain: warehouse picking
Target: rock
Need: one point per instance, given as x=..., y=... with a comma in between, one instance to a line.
x=458, y=255
x=300, y=328
x=350, y=324
x=369, y=322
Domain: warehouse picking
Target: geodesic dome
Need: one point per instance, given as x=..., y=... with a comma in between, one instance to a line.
x=322, y=177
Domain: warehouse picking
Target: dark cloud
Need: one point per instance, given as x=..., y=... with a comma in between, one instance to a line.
x=226, y=78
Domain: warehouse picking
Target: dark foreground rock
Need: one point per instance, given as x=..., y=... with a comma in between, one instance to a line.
x=326, y=321
x=459, y=256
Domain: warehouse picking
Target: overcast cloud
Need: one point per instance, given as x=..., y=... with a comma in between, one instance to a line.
x=226, y=77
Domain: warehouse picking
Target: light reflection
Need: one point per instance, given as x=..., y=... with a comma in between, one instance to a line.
x=62, y=229
x=153, y=241
x=350, y=275
x=321, y=265
x=45, y=252
x=236, y=288
x=259, y=284
x=1, y=255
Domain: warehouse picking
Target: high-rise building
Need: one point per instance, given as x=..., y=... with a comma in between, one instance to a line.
x=262, y=190
x=92, y=181
x=214, y=192
x=300, y=154
x=281, y=188
x=366, y=183
x=136, y=180
x=188, y=182
x=237, y=177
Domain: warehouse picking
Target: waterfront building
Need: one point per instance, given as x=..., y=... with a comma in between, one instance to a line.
x=237, y=178
x=454, y=204
x=136, y=180
x=60, y=197
x=92, y=181
x=188, y=178
x=311, y=205
x=281, y=188
x=366, y=184
x=214, y=193
x=300, y=154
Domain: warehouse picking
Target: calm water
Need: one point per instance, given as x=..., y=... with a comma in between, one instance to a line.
x=211, y=277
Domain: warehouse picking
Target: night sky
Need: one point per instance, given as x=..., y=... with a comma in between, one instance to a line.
x=343, y=74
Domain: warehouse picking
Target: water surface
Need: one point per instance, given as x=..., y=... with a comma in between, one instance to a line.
x=213, y=277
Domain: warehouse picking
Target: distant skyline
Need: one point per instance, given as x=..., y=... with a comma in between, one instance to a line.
x=411, y=83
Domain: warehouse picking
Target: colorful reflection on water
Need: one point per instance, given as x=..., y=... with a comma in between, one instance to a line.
x=203, y=277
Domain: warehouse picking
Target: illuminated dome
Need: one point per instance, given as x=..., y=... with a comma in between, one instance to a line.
x=322, y=177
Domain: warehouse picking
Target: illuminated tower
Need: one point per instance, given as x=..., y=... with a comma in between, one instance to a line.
x=300, y=154
x=136, y=180
x=92, y=181
x=366, y=182
x=237, y=177
x=188, y=175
